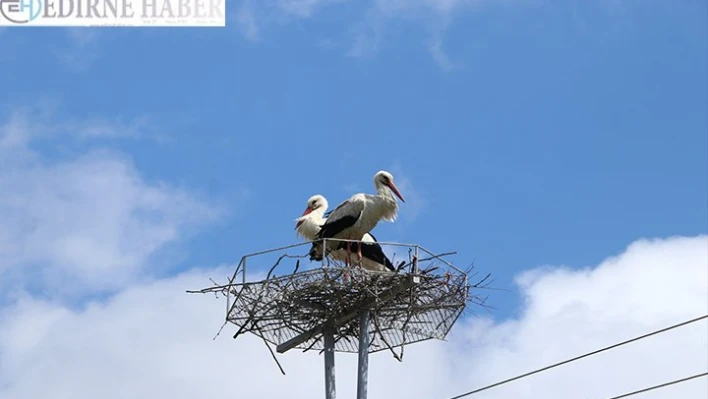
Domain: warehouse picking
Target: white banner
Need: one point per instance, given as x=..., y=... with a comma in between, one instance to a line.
x=150, y=13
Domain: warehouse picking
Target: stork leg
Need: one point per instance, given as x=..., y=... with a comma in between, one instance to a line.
x=349, y=254
x=358, y=252
x=347, y=262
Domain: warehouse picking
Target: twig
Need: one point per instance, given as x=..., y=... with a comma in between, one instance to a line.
x=437, y=256
x=278, y=262
x=210, y=289
x=242, y=328
x=314, y=342
x=219, y=332
x=481, y=282
x=272, y=354
x=383, y=338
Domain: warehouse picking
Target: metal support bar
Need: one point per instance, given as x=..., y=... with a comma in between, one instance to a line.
x=363, y=371
x=415, y=261
x=330, y=390
x=228, y=303
x=324, y=252
x=229, y=286
x=244, y=270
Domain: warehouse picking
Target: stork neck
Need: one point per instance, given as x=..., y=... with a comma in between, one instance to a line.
x=387, y=207
x=385, y=192
x=317, y=215
x=310, y=225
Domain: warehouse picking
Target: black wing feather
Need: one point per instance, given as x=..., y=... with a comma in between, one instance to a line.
x=334, y=227
x=316, y=251
x=374, y=252
x=371, y=251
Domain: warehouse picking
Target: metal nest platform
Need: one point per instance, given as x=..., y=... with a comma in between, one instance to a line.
x=420, y=301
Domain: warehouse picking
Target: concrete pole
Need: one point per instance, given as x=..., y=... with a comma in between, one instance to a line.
x=330, y=391
x=363, y=377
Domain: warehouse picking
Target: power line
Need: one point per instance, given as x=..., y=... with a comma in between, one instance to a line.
x=518, y=377
x=660, y=386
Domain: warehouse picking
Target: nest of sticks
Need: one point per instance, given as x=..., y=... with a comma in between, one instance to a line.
x=420, y=301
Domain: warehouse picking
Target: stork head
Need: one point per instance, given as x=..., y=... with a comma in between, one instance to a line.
x=383, y=179
x=315, y=203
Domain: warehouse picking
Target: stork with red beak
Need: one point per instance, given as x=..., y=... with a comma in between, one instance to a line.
x=358, y=215
x=309, y=224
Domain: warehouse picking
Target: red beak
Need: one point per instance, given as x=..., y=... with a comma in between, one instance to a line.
x=299, y=222
x=395, y=191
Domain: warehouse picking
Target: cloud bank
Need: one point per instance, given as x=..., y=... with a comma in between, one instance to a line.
x=88, y=222
x=154, y=340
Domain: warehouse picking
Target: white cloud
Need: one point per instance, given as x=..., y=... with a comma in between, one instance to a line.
x=83, y=36
x=246, y=21
x=81, y=50
x=304, y=8
x=154, y=340
x=250, y=17
x=368, y=35
x=440, y=56
x=367, y=32
x=415, y=199
x=97, y=128
x=41, y=122
x=328, y=44
x=405, y=7
x=434, y=15
x=653, y=284
x=88, y=223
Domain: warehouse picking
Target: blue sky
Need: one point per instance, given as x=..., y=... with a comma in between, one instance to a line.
x=527, y=133
x=560, y=145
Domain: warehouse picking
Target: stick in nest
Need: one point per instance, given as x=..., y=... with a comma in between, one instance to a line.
x=272, y=354
x=278, y=262
x=383, y=338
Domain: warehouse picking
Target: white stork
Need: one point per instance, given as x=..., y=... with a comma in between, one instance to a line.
x=359, y=215
x=309, y=224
